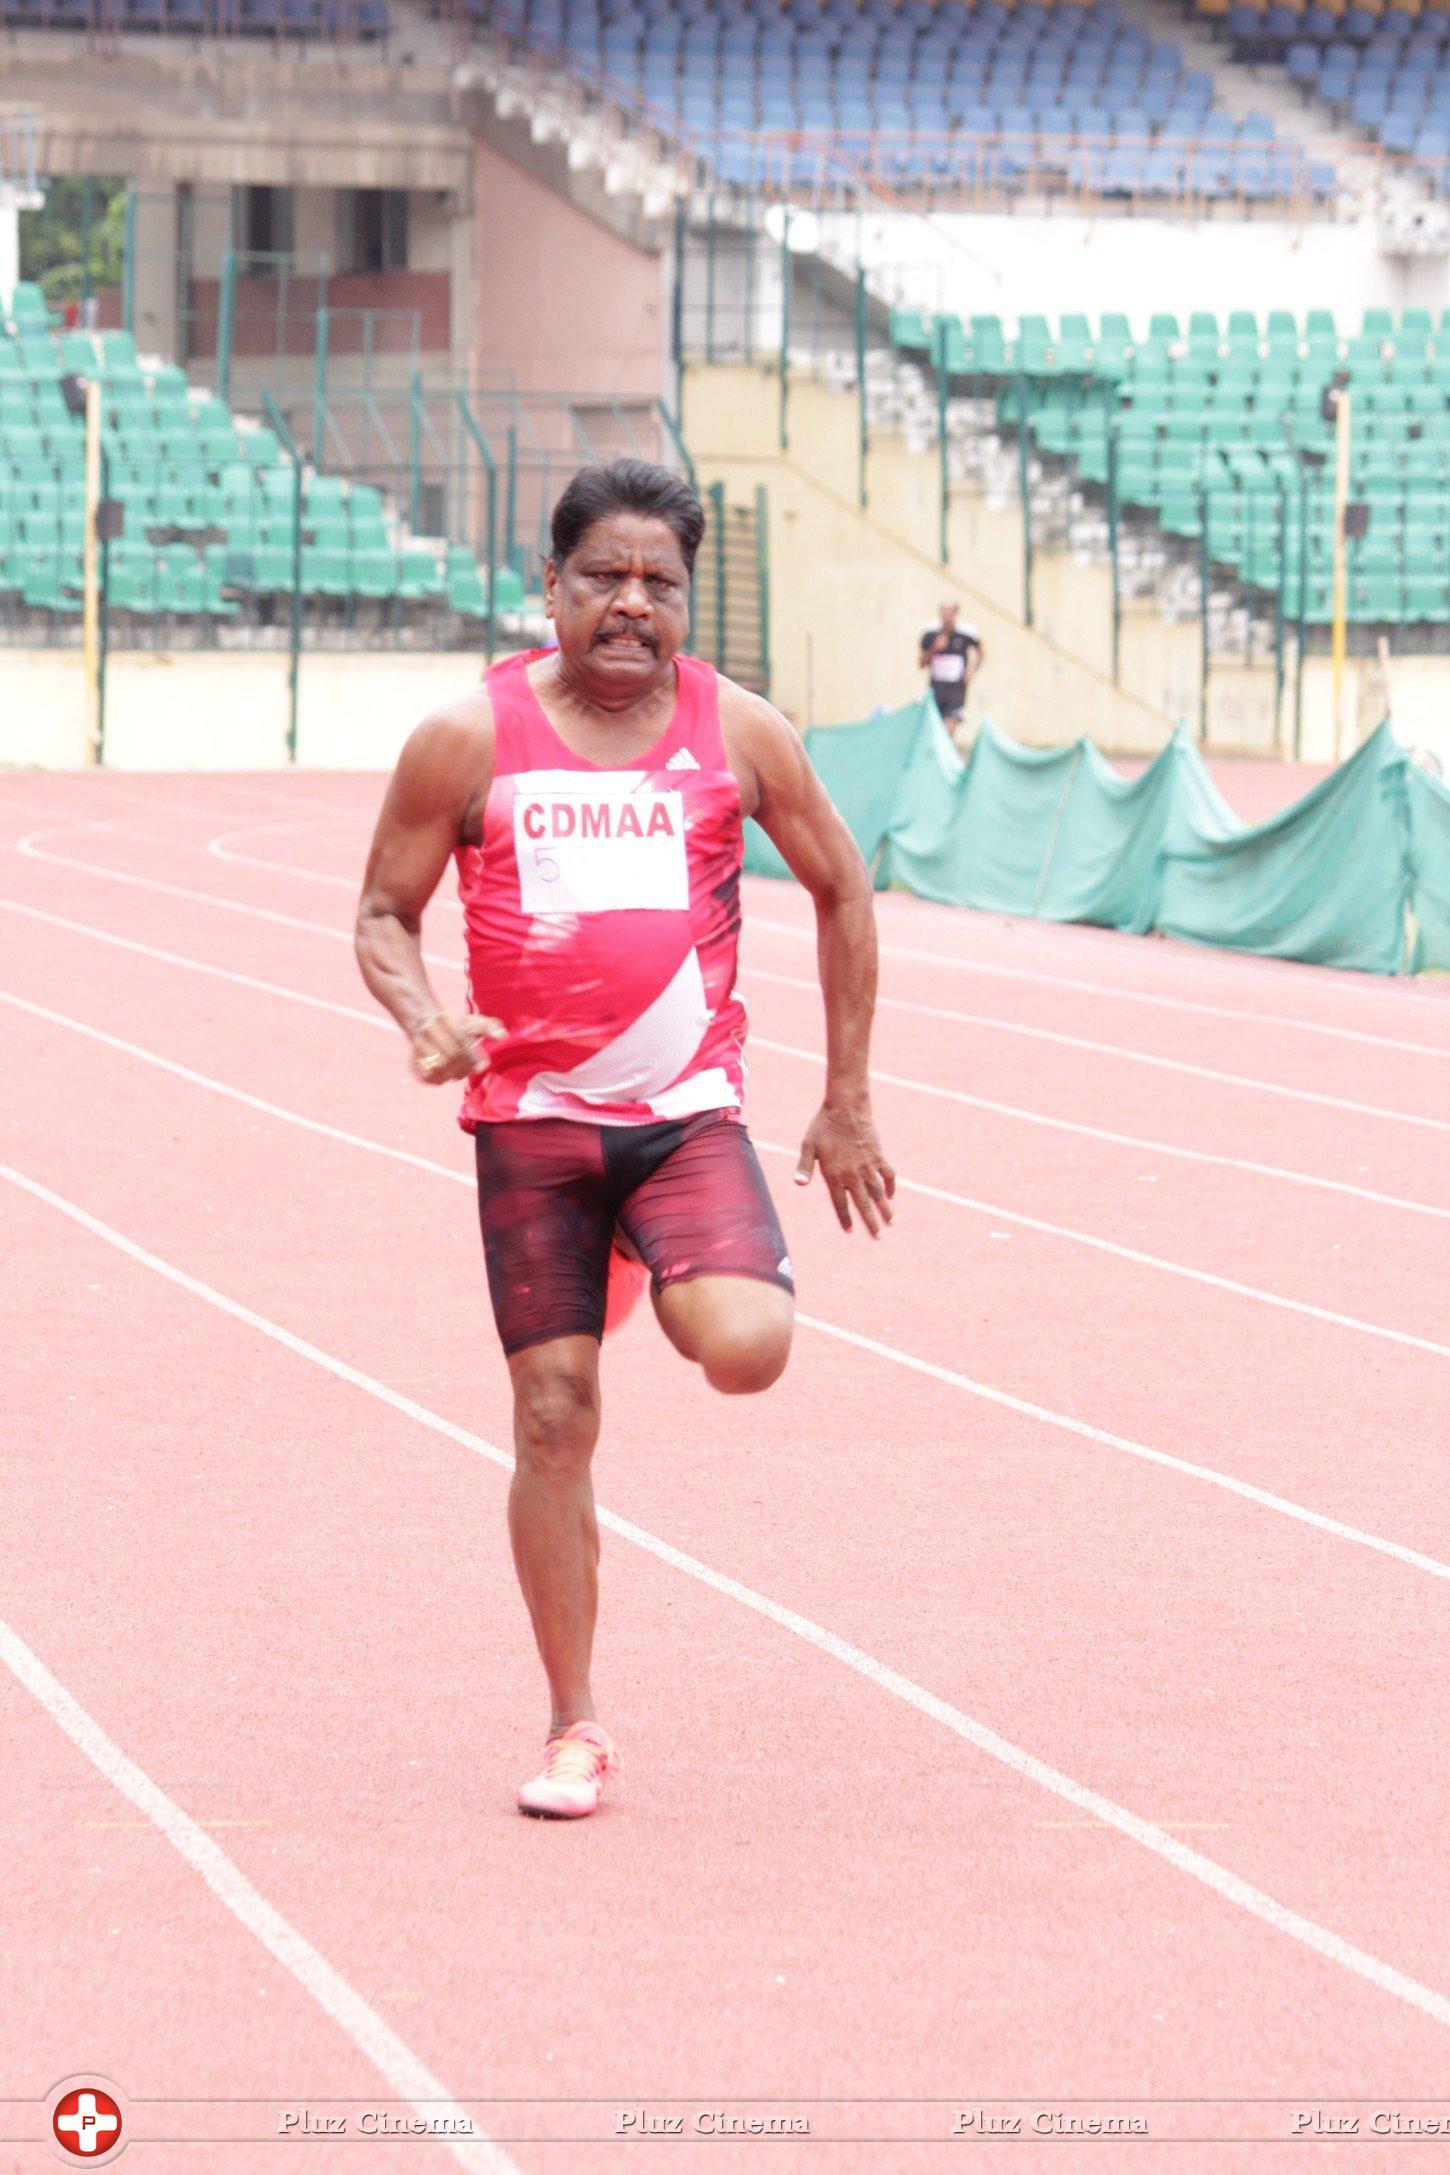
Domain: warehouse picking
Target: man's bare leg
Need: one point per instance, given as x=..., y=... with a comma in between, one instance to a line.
x=737, y=1328
x=552, y=1525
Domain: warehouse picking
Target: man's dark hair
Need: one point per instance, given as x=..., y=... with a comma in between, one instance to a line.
x=630, y=487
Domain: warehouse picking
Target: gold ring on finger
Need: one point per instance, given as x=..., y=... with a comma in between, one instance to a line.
x=429, y=1065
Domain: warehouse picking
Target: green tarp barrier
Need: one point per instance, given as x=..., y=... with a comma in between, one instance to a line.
x=1356, y=874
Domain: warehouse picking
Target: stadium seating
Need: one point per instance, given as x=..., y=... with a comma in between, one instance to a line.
x=932, y=93
x=1221, y=434
x=1384, y=68
x=208, y=527
x=321, y=20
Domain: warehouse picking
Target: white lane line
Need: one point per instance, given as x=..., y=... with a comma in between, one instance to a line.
x=997, y=1213
x=891, y=949
x=921, y=956
x=1213, y=1876
x=1119, y=1140
x=947, y=1375
x=219, y=847
x=375, y=2040
x=375, y=1019
x=34, y=852
x=197, y=966
x=1119, y=1050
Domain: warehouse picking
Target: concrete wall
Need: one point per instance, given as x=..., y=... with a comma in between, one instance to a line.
x=212, y=710
x=561, y=301
x=851, y=591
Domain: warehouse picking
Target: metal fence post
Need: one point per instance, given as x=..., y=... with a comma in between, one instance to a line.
x=677, y=297
x=944, y=478
x=717, y=504
x=319, y=391
x=784, y=325
x=1203, y=656
x=226, y=312
x=1115, y=572
x=511, y=499
x=762, y=561
x=864, y=433
x=1024, y=485
x=415, y=448
x=1281, y=569
x=468, y=421
x=752, y=238
x=128, y=265
x=88, y=218
x=1303, y=608
x=279, y=424
x=710, y=278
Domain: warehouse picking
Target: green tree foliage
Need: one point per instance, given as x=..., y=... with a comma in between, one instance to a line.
x=53, y=240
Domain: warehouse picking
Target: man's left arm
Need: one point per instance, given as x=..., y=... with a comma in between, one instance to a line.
x=793, y=809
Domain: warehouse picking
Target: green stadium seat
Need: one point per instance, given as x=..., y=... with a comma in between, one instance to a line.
x=949, y=349
x=181, y=579
x=988, y=346
x=466, y=591
x=373, y=572
x=28, y=306
x=1075, y=349
x=910, y=332
x=419, y=576
x=325, y=569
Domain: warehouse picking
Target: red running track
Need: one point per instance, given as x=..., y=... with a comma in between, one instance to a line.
x=1036, y=1699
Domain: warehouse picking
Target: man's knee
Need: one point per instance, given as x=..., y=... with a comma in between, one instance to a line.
x=746, y=1352
x=556, y=1419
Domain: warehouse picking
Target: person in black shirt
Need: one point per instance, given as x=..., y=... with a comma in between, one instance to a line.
x=952, y=655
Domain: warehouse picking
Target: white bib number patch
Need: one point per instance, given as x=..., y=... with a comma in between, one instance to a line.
x=597, y=843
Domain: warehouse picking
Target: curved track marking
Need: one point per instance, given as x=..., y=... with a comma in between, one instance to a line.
x=33, y=852
x=947, y=1375
x=1331, y=1947
x=389, y=2055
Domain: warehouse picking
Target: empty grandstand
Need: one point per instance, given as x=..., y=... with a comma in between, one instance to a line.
x=1119, y=316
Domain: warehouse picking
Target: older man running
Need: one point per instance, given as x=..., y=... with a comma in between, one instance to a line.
x=593, y=797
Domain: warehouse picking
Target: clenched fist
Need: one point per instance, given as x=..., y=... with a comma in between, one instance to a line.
x=448, y=1046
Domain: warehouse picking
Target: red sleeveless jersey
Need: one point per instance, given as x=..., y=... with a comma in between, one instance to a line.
x=603, y=913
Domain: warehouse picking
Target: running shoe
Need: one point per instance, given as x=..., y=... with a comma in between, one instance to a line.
x=578, y=1763
x=627, y=1279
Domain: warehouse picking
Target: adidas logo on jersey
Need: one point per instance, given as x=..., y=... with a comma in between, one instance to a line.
x=682, y=760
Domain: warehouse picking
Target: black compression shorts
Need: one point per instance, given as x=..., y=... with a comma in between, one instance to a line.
x=689, y=1195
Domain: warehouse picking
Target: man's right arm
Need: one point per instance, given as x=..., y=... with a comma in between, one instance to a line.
x=446, y=765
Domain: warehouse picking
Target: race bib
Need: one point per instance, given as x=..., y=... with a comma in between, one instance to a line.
x=947, y=666
x=596, y=843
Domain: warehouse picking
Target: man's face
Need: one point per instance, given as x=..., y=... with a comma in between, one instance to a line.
x=949, y=617
x=620, y=602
